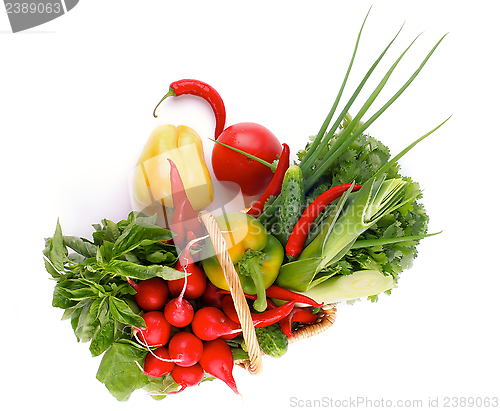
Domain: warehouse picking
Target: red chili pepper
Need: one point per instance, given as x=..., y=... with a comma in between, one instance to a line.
x=184, y=219
x=176, y=185
x=253, y=297
x=203, y=90
x=301, y=315
x=279, y=293
x=283, y=294
x=300, y=231
x=190, y=236
x=274, y=187
x=259, y=319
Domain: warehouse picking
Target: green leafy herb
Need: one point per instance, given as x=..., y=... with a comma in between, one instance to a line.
x=120, y=370
x=91, y=283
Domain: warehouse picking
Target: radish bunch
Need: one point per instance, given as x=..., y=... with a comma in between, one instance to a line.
x=181, y=341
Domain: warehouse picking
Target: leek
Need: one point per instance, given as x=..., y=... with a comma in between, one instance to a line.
x=340, y=288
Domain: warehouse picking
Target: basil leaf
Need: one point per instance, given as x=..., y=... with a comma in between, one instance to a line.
x=76, y=258
x=142, y=272
x=68, y=291
x=139, y=233
x=93, y=312
x=158, y=388
x=104, y=252
x=111, y=232
x=122, y=313
x=120, y=372
x=95, y=287
x=82, y=322
x=80, y=245
x=56, y=254
x=60, y=298
x=167, y=273
x=103, y=338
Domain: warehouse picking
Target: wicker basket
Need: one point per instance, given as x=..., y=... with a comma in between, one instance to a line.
x=326, y=315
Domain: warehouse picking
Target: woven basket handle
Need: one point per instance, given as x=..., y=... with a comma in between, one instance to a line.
x=254, y=365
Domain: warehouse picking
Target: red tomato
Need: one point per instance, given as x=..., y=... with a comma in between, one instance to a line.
x=232, y=167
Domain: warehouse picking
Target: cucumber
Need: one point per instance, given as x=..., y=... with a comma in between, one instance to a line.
x=292, y=204
x=272, y=340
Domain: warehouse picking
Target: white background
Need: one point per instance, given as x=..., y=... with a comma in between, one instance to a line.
x=76, y=102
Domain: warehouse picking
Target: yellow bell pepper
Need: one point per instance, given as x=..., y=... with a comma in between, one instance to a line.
x=256, y=254
x=151, y=181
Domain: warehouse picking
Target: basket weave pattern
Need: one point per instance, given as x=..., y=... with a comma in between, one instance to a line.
x=326, y=316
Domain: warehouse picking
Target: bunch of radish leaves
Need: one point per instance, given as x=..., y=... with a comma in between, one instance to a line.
x=91, y=275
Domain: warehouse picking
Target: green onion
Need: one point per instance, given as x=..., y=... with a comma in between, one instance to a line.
x=355, y=128
x=378, y=197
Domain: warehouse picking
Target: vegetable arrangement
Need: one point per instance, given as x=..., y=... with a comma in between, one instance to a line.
x=339, y=224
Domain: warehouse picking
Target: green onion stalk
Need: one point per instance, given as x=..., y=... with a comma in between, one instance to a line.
x=355, y=213
x=355, y=128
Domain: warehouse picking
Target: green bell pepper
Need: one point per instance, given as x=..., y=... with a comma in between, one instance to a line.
x=257, y=256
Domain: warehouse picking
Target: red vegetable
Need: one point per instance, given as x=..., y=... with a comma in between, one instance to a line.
x=279, y=293
x=155, y=364
x=151, y=294
x=203, y=90
x=210, y=323
x=302, y=315
x=187, y=376
x=274, y=187
x=259, y=319
x=157, y=331
x=217, y=360
x=239, y=172
x=300, y=231
x=196, y=279
x=179, y=312
x=186, y=348
x=211, y=296
x=253, y=297
x=176, y=185
x=184, y=219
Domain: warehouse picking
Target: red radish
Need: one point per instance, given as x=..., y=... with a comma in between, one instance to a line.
x=186, y=348
x=157, y=363
x=217, y=360
x=179, y=312
x=196, y=279
x=157, y=331
x=152, y=294
x=210, y=323
x=187, y=376
x=211, y=296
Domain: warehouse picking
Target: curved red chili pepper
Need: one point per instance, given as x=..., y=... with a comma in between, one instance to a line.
x=259, y=319
x=176, y=185
x=253, y=297
x=279, y=293
x=274, y=187
x=184, y=219
x=301, y=315
x=205, y=91
x=300, y=231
